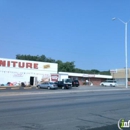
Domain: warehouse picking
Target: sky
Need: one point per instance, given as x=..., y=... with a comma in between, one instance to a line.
x=69, y=30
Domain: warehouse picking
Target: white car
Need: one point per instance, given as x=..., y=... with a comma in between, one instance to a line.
x=112, y=83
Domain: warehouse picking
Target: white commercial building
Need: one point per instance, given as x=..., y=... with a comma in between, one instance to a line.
x=30, y=72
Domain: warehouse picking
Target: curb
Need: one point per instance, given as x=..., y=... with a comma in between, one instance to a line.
x=2, y=88
x=27, y=88
x=16, y=88
x=61, y=92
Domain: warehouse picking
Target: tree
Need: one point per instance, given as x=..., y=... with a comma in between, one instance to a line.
x=94, y=71
x=62, y=66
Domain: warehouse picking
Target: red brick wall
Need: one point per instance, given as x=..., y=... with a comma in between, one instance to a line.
x=129, y=83
x=95, y=81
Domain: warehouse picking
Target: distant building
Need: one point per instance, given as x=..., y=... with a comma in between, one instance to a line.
x=95, y=79
x=119, y=75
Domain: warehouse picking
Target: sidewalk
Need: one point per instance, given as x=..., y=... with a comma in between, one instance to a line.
x=101, y=87
x=60, y=91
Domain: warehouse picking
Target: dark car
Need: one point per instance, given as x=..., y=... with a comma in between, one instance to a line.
x=75, y=83
x=63, y=85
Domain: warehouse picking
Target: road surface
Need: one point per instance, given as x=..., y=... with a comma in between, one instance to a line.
x=92, y=110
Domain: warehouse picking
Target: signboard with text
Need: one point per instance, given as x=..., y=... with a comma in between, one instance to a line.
x=26, y=64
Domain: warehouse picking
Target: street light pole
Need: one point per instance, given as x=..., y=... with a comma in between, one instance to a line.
x=126, y=57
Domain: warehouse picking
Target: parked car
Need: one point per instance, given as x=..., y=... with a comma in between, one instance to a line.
x=75, y=83
x=48, y=85
x=112, y=83
x=63, y=85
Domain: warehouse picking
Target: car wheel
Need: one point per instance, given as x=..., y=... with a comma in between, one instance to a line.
x=38, y=87
x=111, y=85
x=63, y=87
x=67, y=87
x=48, y=88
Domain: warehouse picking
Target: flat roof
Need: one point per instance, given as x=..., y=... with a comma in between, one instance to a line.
x=86, y=75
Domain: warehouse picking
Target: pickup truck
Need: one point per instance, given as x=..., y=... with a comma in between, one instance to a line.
x=63, y=85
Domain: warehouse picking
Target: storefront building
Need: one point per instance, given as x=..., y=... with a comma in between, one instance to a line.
x=29, y=72
x=95, y=79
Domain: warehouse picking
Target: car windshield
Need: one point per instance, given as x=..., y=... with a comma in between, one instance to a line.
x=76, y=81
x=51, y=83
x=111, y=81
x=68, y=81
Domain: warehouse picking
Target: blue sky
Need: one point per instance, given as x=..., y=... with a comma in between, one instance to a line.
x=67, y=30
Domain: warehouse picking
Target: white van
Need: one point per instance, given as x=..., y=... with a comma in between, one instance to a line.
x=112, y=83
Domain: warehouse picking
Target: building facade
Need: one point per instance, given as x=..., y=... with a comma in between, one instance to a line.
x=95, y=79
x=29, y=72
x=119, y=75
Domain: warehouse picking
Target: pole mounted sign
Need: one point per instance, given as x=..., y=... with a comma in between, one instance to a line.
x=113, y=71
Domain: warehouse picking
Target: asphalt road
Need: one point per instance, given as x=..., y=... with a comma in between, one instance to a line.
x=92, y=110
